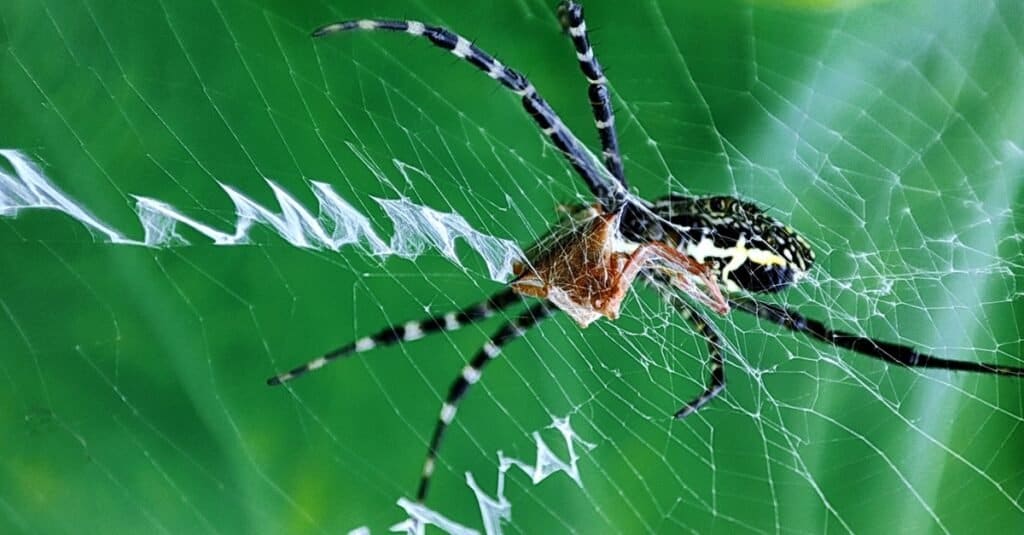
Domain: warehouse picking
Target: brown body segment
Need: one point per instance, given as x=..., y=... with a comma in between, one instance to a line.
x=588, y=270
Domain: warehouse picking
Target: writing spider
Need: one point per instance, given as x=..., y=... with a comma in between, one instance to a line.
x=679, y=245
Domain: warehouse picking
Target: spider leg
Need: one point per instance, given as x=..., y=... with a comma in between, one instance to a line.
x=888, y=352
x=571, y=16
x=609, y=191
x=407, y=332
x=677, y=261
x=471, y=374
x=716, y=381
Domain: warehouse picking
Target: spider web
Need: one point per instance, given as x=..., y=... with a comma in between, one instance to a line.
x=137, y=343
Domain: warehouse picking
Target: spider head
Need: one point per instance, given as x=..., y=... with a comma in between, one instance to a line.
x=745, y=248
x=577, y=267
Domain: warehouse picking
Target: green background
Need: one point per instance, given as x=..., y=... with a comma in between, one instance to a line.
x=133, y=395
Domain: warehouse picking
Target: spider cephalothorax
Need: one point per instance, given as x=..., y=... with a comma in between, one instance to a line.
x=683, y=246
x=587, y=267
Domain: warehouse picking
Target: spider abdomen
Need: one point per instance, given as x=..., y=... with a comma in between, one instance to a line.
x=744, y=247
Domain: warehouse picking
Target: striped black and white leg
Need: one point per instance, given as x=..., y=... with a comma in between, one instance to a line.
x=571, y=16
x=471, y=374
x=716, y=381
x=888, y=352
x=407, y=332
x=607, y=189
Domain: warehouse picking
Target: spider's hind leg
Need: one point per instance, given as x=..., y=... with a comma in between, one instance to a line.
x=716, y=381
x=869, y=347
x=407, y=332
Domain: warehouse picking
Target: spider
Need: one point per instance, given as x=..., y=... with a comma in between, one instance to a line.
x=679, y=245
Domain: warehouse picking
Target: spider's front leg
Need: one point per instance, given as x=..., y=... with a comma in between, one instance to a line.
x=407, y=332
x=608, y=189
x=570, y=14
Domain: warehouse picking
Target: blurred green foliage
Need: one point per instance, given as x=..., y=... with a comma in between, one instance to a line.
x=134, y=396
